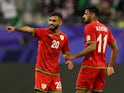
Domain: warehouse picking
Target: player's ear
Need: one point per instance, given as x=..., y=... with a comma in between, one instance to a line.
x=61, y=22
x=94, y=15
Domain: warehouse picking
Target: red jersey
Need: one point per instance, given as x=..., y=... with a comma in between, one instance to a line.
x=98, y=33
x=49, y=48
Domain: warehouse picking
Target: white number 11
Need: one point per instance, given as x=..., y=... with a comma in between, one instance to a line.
x=100, y=44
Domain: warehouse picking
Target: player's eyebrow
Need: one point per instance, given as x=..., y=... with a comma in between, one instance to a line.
x=52, y=20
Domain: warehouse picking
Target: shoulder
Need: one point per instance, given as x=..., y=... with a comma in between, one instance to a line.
x=63, y=36
x=106, y=27
x=89, y=27
x=41, y=29
x=62, y=33
x=92, y=24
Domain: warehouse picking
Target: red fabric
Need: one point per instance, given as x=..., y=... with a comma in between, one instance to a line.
x=98, y=33
x=49, y=48
x=44, y=82
x=90, y=78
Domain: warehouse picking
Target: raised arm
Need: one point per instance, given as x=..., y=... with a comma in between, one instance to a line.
x=19, y=28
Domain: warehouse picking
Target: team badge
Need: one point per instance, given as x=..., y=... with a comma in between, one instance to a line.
x=43, y=86
x=88, y=37
x=61, y=37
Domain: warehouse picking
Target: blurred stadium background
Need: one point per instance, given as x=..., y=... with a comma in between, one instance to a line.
x=18, y=50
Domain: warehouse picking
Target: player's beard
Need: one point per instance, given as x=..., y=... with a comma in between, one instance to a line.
x=53, y=28
x=85, y=21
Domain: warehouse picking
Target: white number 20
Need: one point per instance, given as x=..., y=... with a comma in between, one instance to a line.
x=55, y=44
x=102, y=43
x=58, y=85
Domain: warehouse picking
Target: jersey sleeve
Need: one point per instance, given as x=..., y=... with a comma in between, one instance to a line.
x=110, y=37
x=65, y=47
x=38, y=32
x=90, y=36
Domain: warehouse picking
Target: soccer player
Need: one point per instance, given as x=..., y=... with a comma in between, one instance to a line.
x=51, y=41
x=97, y=36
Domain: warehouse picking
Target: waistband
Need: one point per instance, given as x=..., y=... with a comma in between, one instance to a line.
x=49, y=73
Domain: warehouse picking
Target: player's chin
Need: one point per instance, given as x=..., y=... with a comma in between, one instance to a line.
x=51, y=28
x=86, y=22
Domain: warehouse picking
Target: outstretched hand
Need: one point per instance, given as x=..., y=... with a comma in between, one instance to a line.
x=70, y=64
x=10, y=28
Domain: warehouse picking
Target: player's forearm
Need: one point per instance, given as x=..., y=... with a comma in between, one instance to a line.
x=24, y=29
x=86, y=51
x=113, y=57
x=65, y=54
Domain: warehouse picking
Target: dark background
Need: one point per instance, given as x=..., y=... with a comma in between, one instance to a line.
x=18, y=50
x=19, y=78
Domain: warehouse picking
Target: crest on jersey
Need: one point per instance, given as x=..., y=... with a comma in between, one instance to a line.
x=61, y=37
x=88, y=37
x=43, y=86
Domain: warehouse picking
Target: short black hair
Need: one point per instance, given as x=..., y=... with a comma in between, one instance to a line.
x=57, y=14
x=93, y=9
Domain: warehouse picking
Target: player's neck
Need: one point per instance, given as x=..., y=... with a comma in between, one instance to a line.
x=94, y=20
x=56, y=32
